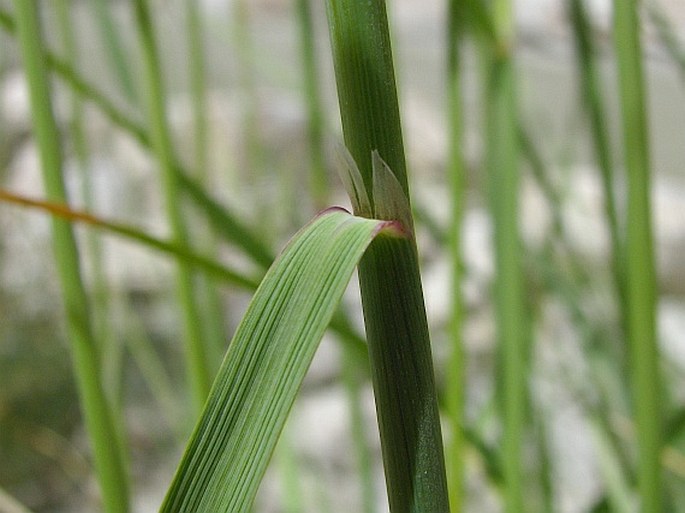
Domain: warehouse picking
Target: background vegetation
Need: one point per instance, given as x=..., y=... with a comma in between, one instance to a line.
x=155, y=156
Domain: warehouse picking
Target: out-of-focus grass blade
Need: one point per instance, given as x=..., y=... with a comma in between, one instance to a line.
x=645, y=374
x=312, y=94
x=226, y=223
x=674, y=46
x=266, y=363
x=618, y=490
x=675, y=426
x=456, y=175
x=198, y=372
x=222, y=219
x=105, y=440
x=590, y=83
x=354, y=376
x=182, y=252
x=503, y=166
x=114, y=48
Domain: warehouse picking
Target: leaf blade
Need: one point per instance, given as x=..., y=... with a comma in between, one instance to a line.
x=266, y=363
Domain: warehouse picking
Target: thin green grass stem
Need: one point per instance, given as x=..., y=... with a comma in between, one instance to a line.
x=354, y=375
x=546, y=463
x=210, y=266
x=97, y=413
x=198, y=372
x=315, y=113
x=590, y=86
x=502, y=161
x=152, y=369
x=455, y=379
x=207, y=293
x=291, y=474
x=246, y=59
x=645, y=375
x=668, y=36
x=112, y=351
x=115, y=52
x=198, y=88
x=619, y=492
x=394, y=312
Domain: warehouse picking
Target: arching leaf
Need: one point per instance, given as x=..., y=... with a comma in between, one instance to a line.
x=266, y=362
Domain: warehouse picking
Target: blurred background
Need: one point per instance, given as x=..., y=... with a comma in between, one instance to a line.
x=248, y=142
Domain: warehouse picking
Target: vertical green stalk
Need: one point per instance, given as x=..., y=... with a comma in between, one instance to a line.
x=152, y=369
x=248, y=83
x=639, y=257
x=667, y=36
x=392, y=297
x=112, y=352
x=115, y=50
x=502, y=162
x=591, y=92
x=97, y=413
x=197, y=72
x=353, y=378
x=315, y=121
x=216, y=336
x=456, y=367
x=291, y=474
x=196, y=357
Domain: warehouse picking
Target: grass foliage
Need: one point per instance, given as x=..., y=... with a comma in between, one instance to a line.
x=225, y=217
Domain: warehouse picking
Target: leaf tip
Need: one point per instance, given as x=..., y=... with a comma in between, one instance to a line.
x=352, y=180
x=390, y=199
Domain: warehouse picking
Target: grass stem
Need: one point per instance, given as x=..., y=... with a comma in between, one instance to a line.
x=115, y=52
x=97, y=412
x=112, y=352
x=315, y=118
x=353, y=377
x=639, y=257
x=196, y=359
x=502, y=162
x=592, y=97
x=207, y=293
x=455, y=174
x=392, y=297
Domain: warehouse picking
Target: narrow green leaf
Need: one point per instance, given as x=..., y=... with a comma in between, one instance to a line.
x=316, y=122
x=668, y=36
x=115, y=53
x=503, y=166
x=266, y=363
x=641, y=293
x=59, y=210
x=197, y=363
x=98, y=416
x=455, y=393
